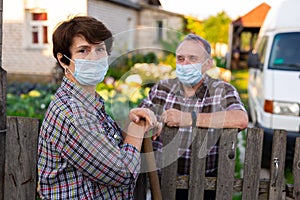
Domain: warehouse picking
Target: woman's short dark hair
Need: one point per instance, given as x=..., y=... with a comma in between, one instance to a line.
x=90, y=28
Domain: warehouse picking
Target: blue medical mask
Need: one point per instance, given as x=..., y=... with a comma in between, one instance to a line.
x=90, y=72
x=190, y=74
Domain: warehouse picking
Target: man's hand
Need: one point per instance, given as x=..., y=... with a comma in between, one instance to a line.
x=176, y=118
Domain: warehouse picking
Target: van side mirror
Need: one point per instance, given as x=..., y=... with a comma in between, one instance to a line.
x=253, y=60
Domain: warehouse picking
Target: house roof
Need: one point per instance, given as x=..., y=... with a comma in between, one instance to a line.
x=126, y=3
x=154, y=2
x=136, y=4
x=254, y=18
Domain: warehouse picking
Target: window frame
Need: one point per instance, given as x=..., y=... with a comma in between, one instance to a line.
x=38, y=28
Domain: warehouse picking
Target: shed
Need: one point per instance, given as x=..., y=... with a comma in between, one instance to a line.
x=243, y=34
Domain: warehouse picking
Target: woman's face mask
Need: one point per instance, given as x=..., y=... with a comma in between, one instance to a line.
x=90, y=72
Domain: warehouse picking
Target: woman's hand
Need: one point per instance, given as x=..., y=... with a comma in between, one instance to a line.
x=139, y=114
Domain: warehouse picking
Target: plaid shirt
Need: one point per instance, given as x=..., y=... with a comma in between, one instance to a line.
x=81, y=154
x=212, y=96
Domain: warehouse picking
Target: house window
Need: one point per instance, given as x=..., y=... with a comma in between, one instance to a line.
x=38, y=29
x=159, y=25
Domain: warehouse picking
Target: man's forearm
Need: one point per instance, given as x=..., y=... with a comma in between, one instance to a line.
x=223, y=119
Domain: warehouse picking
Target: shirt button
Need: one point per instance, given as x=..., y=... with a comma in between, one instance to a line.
x=115, y=136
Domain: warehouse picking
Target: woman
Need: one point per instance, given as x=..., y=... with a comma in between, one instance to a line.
x=83, y=153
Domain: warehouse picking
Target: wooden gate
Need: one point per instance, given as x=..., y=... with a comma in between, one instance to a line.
x=20, y=179
x=251, y=185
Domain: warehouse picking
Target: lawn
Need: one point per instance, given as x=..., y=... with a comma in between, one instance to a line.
x=240, y=81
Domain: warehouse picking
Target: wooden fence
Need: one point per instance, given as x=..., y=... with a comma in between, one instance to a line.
x=20, y=179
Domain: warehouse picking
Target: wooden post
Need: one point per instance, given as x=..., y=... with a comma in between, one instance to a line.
x=2, y=128
x=170, y=162
x=2, y=111
x=277, y=165
x=252, y=163
x=198, y=161
x=226, y=164
x=21, y=158
x=296, y=170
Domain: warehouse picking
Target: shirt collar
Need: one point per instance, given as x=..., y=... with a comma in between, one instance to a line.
x=80, y=94
x=179, y=90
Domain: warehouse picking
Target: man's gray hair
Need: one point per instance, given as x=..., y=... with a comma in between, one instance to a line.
x=195, y=37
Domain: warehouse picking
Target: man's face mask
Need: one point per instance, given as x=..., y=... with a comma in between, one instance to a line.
x=190, y=74
x=90, y=72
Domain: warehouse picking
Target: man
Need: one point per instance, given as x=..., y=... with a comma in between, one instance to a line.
x=194, y=98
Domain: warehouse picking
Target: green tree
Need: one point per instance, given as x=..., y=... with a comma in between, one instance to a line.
x=214, y=28
x=194, y=25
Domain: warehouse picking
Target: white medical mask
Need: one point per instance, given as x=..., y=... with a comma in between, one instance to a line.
x=190, y=74
x=90, y=72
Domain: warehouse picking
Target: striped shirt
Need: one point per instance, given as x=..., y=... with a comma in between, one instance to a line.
x=81, y=154
x=212, y=96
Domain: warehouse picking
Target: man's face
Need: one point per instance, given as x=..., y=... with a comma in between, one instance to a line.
x=191, y=52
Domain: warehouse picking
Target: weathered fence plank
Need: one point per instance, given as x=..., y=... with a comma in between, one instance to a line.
x=169, y=163
x=21, y=158
x=226, y=164
x=276, y=187
x=252, y=164
x=2, y=109
x=296, y=170
x=2, y=121
x=198, y=160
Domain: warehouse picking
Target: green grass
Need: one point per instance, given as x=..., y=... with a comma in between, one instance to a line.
x=240, y=82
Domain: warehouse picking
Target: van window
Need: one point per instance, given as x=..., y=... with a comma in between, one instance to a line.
x=285, y=54
x=262, y=49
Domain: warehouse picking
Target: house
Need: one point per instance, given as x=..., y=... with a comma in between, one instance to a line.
x=27, y=32
x=28, y=26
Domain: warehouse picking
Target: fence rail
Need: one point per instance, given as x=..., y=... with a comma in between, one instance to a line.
x=20, y=178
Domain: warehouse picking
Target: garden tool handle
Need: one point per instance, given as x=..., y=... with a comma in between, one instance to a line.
x=153, y=177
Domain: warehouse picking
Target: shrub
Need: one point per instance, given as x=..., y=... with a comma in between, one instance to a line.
x=29, y=100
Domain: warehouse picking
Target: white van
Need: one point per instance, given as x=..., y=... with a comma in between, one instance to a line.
x=274, y=77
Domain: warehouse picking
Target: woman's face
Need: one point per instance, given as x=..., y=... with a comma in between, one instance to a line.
x=81, y=49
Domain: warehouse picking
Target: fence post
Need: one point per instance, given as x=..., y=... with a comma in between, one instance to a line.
x=198, y=161
x=296, y=170
x=277, y=165
x=226, y=164
x=2, y=110
x=252, y=163
x=21, y=158
x=2, y=125
x=169, y=162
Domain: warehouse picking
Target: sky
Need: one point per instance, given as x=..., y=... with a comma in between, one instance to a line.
x=205, y=8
